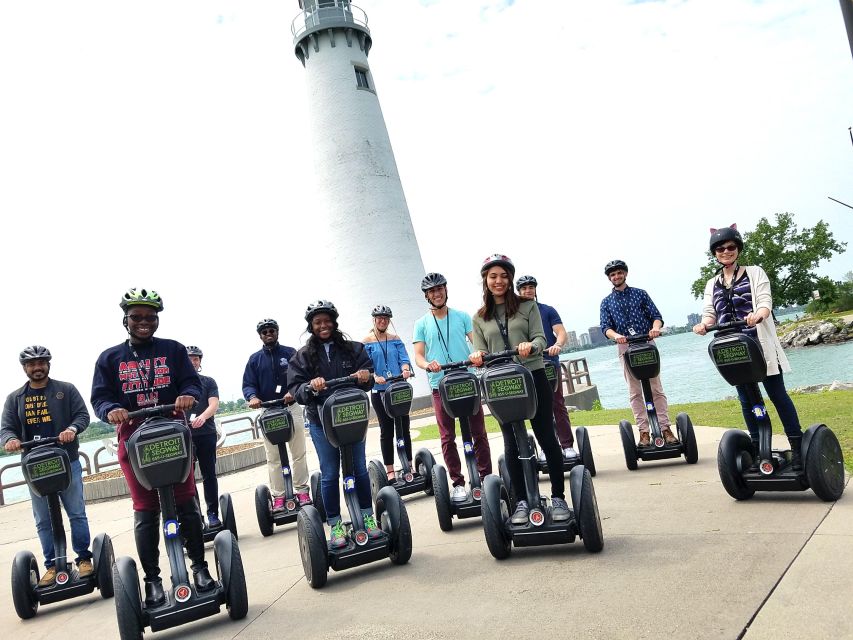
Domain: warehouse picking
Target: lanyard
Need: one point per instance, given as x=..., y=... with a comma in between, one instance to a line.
x=504, y=329
x=441, y=337
x=384, y=351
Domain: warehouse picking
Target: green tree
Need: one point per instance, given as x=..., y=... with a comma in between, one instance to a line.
x=788, y=255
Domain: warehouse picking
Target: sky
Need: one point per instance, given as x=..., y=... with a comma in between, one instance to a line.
x=166, y=145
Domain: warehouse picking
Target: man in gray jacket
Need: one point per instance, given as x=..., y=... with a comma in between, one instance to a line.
x=46, y=408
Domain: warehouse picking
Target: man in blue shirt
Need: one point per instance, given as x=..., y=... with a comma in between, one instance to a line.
x=628, y=311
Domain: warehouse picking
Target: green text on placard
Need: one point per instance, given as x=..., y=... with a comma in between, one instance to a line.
x=507, y=388
x=161, y=450
x=349, y=413
x=46, y=468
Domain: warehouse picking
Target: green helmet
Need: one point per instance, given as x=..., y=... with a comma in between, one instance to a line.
x=145, y=297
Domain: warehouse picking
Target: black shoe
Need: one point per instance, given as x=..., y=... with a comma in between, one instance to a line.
x=154, y=595
x=796, y=453
x=203, y=580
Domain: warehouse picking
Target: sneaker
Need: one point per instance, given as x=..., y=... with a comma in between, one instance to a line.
x=559, y=510
x=459, y=494
x=278, y=504
x=213, y=521
x=645, y=439
x=339, y=536
x=85, y=568
x=521, y=514
x=49, y=577
x=668, y=436
x=569, y=453
x=303, y=498
x=373, y=530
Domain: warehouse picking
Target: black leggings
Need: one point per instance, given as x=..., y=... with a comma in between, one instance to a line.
x=543, y=429
x=205, y=451
x=387, y=437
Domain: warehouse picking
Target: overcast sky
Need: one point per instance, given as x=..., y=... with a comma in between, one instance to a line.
x=166, y=145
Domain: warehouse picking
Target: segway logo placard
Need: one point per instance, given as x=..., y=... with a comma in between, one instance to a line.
x=61, y=577
x=737, y=353
x=504, y=388
x=46, y=468
x=276, y=421
x=349, y=413
x=160, y=450
x=550, y=372
x=182, y=593
x=642, y=358
x=401, y=396
x=459, y=390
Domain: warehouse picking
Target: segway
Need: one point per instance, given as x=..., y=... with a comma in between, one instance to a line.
x=227, y=520
x=397, y=401
x=509, y=391
x=459, y=391
x=47, y=471
x=277, y=426
x=160, y=456
x=344, y=416
x=643, y=361
x=740, y=360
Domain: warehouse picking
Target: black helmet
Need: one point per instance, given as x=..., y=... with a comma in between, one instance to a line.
x=35, y=352
x=718, y=236
x=613, y=265
x=320, y=306
x=144, y=297
x=498, y=260
x=381, y=310
x=523, y=281
x=267, y=322
x=432, y=280
x=194, y=351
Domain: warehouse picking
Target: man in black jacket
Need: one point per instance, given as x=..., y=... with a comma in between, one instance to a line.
x=46, y=408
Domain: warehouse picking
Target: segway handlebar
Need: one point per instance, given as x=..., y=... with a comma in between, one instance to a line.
x=397, y=378
x=487, y=357
x=278, y=402
x=642, y=337
x=40, y=442
x=350, y=380
x=159, y=410
x=725, y=326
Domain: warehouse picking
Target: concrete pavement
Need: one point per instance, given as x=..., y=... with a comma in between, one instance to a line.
x=681, y=559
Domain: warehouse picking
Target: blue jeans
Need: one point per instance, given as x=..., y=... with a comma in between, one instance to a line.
x=775, y=388
x=330, y=469
x=72, y=500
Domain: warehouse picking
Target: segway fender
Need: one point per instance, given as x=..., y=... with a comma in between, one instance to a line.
x=731, y=444
x=493, y=486
x=102, y=556
x=576, y=486
x=807, y=439
x=388, y=501
x=222, y=544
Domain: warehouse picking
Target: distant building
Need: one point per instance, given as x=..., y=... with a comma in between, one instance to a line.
x=693, y=319
x=596, y=337
x=572, y=340
x=585, y=340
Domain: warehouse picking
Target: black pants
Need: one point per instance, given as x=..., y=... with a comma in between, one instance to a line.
x=205, y=451
x=543, y=429
x=387, y=438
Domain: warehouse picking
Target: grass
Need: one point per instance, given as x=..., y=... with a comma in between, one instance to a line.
x=833, y=408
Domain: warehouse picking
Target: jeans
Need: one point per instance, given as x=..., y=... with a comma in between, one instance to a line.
x=72, y=500
x=330, y=470
x=205, y=452
x=775, y=388
x=387, y=432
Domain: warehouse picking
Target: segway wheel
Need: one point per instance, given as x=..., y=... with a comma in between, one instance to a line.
x=378, y=478
x=128, y=599
x=503, y=472
x=586, y=509
x=585, y=449
x=234, y=578
x=495, y=511
x=317, y=495
x=226, y=508
x=824, y=464
x=684, y=426
x=25, y=577
x=441, y=492
x=312, y=546
x=103, y=558
x=629, y=446
x=394, y=520
x=733, y=445
x=424, y=464
x=263, y=509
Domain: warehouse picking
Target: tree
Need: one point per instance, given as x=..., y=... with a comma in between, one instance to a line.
x=789, y=257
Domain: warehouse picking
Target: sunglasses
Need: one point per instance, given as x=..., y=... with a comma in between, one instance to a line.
x=147, y=318
x=268, y=332
x=726, y=247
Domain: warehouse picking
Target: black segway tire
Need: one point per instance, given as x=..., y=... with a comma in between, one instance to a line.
x=229, y=568
x=25, y=577
x=378, y=478
x=503, y=472
x=312, y=546
x=441, y=493
x=391, y=512
x=733, y=445
x=226, y=510
x=824, y=464
x=585, y=449
x=317, y=495
x=494, y=493
x=585, y=507
x=629, y=445
x=684, y=426
x=263, y=509
x=128, y=599
x=425, y=459
x=102, y=562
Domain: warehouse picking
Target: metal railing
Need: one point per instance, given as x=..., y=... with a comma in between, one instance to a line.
x=575, y=371
x=332, y=13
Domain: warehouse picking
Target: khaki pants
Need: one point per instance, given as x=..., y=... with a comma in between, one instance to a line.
x=298, y=464
x=638, y=403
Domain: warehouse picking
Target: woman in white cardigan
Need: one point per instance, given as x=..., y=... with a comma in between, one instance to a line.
x=743, y=293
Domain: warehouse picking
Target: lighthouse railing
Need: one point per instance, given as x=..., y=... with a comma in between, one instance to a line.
x=328, y=13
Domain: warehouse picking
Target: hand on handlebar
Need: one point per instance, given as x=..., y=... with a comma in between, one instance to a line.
x=433, y=367
x=700, y=329
x=255, y=402
x=317, y=384
x=619, y=338
x=553, y=350
x=525, y=349
x=476, y=358
x=184, y=403
x=378, y=379
x=753, y=319
x=67, y=436
x=117, y=416
x=12, y=445
x=363, y=376
x=654, y=333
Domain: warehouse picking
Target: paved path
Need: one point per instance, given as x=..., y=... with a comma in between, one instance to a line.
x=681, y=560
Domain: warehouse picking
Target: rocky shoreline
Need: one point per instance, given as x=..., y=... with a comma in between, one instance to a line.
x=803, y=334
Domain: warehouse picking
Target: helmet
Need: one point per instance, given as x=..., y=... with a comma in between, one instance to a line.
x=267, y=322
x=320, y=306
x=194, y=351
x=432, y=280
x=498, y=260
x=718, y=236
x=381, y=310
x=523, y=281
x=35, y=352
x=613, y=265
x=147, y=297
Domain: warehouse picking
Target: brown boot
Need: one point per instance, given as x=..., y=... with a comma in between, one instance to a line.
x=48, y=578
x=645, y=439
x=85, y=568
x=668, y=436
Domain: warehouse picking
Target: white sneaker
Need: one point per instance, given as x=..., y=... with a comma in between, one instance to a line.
x=459, y=494
x=569, y=453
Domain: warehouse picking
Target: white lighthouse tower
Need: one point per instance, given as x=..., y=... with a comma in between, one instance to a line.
x=372, y=251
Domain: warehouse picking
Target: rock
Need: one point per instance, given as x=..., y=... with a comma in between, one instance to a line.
x=799, y=341
x=814, y=338
x=826, y=329
x=841, y=386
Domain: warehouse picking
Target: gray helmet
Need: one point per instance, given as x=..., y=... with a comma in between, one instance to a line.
x=523, y=281
x=431, y=280
x=320, y=306
x=267, y=322
x=613, y=265
x=381, y=310
x=143, y=297
x=192, y=350
x=35, y=352
x=498, y=260
x=719, y=236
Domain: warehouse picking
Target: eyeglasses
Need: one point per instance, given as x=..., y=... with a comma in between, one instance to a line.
x=268, y=332
x=726, y=247
x=139, y=319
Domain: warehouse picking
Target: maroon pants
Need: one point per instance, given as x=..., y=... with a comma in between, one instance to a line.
x=561, y=414
x=146, y=499
x=447, y=430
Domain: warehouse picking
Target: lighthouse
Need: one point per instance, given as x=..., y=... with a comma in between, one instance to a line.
x=372, y=255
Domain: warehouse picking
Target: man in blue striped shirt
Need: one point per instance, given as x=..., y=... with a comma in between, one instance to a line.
x=628, y=311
